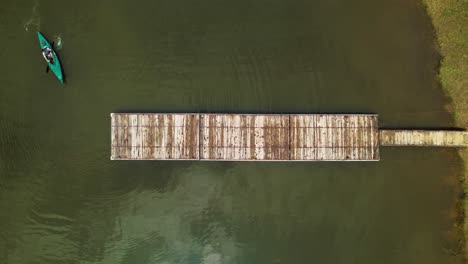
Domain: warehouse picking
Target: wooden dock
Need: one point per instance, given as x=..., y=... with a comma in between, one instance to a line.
x=244, y=137
x=250, y=137
x=424, y=138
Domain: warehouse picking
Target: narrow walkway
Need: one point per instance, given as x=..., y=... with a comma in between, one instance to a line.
x=424, y=138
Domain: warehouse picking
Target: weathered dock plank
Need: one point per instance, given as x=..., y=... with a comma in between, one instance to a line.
x=244, y=137
x=154, y=136
x=424, y=138
x=334, y=137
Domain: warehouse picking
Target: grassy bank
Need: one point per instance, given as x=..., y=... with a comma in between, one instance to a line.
x=449, y=19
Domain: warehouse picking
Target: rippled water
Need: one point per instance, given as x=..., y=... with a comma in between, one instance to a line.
x=63, y=201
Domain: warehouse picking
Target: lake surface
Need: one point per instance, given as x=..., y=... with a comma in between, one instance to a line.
x=63, y=201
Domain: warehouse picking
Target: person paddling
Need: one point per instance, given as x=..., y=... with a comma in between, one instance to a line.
x=48, y=55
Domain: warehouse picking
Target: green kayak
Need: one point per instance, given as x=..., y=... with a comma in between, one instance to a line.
x=50, y=57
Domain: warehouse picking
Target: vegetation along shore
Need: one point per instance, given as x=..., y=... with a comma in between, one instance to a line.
x=449, y=21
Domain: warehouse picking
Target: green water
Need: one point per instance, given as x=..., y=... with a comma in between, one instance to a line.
x=63, y=201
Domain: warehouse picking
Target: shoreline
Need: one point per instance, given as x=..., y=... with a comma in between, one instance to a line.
x=448, y=17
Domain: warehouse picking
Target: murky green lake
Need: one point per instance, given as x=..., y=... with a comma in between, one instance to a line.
x=63, y=201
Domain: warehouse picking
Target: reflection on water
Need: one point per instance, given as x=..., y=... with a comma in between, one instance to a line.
x=63, y=201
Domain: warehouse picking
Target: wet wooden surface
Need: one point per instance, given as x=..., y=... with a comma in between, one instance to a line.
x=424, y=138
